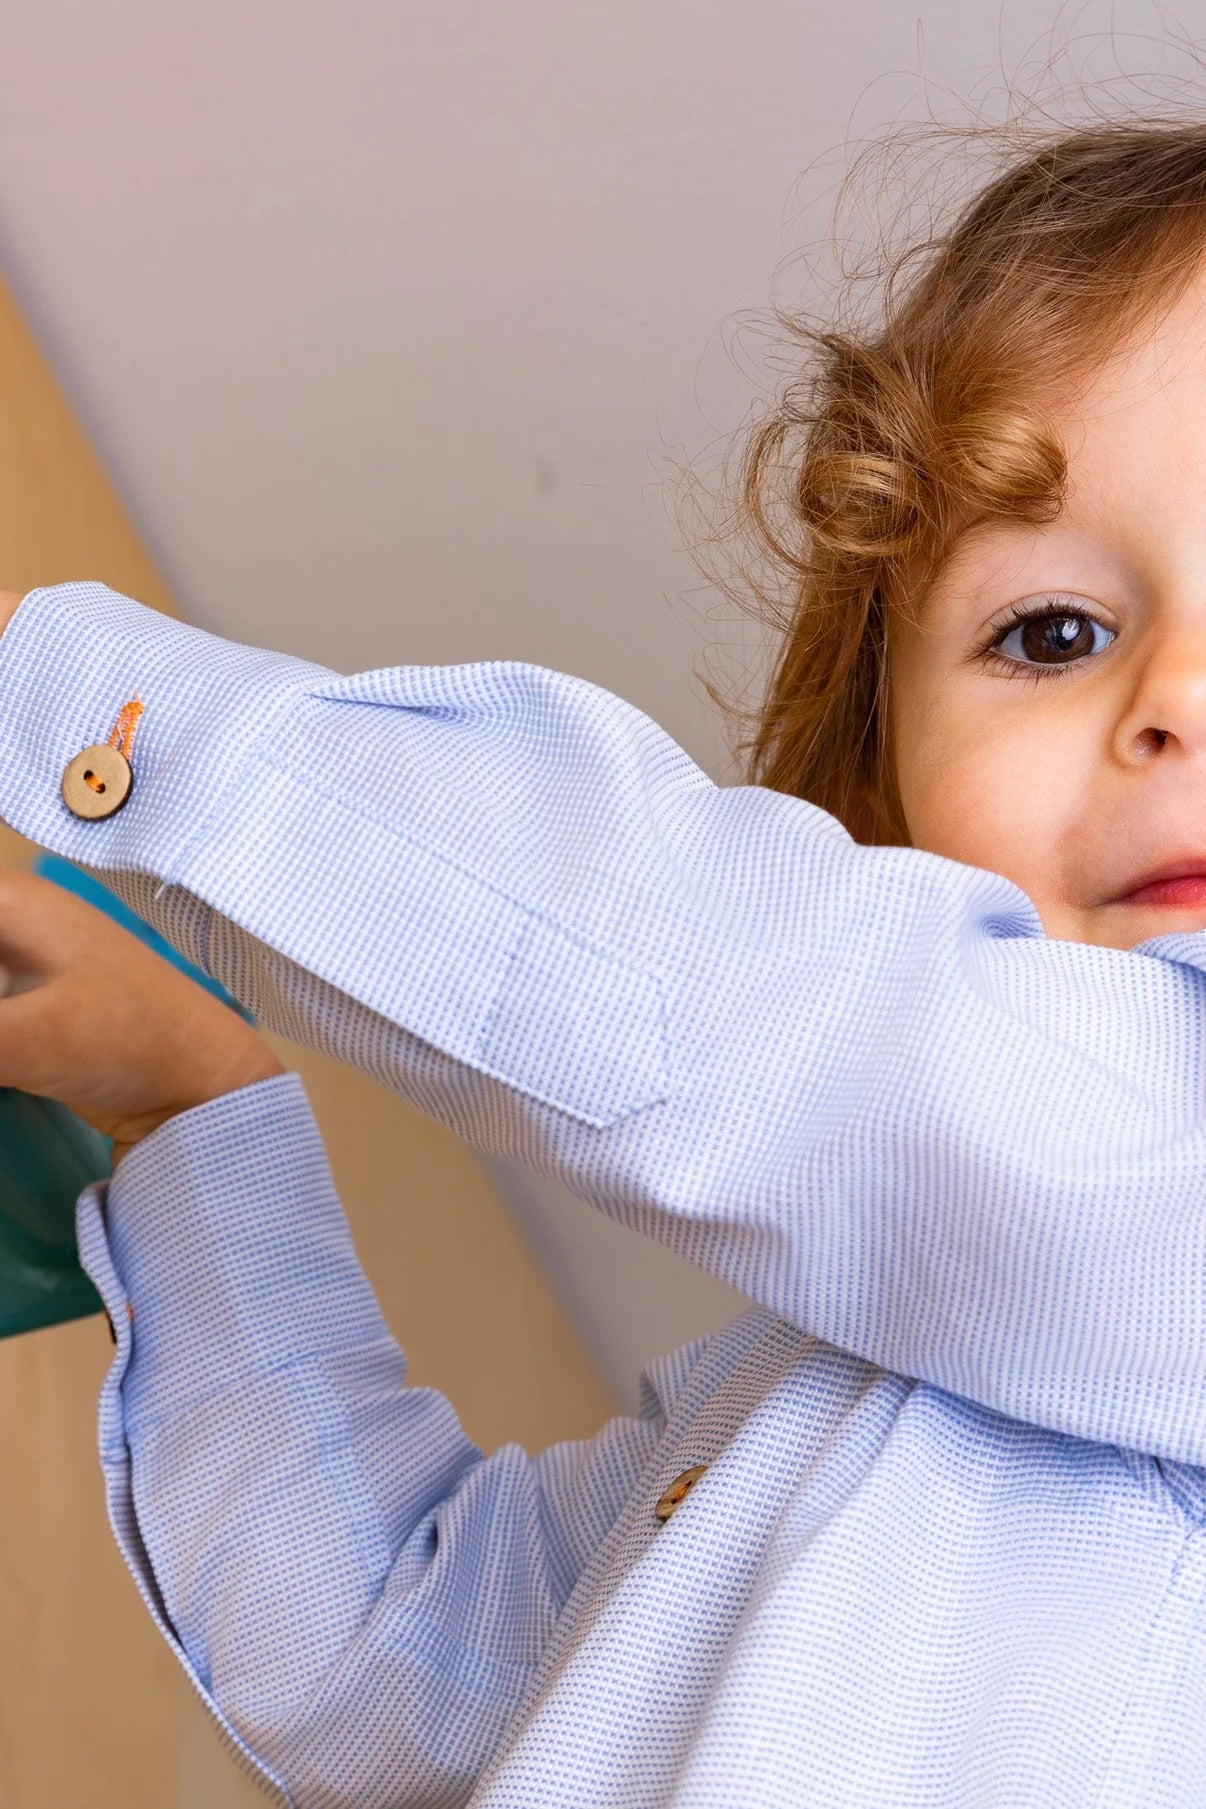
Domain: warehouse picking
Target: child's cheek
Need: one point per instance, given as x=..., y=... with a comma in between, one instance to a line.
x=990, y=796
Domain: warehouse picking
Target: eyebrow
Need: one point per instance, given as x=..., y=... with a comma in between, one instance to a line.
x=1057, y=540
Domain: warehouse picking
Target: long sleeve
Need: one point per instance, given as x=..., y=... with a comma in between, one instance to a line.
x=357, y=1593
x=857, y=1083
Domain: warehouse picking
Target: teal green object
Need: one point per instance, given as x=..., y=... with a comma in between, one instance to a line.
x=48, y=1156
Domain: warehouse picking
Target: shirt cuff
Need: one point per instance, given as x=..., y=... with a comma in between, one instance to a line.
x=71, y=656
x=220, y=1250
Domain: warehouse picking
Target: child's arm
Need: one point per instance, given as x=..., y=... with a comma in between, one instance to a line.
x=857, y=1083
x=357, y=1593
x=359, y=1596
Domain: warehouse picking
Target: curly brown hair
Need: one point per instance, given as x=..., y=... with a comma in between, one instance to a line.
x=895, y=439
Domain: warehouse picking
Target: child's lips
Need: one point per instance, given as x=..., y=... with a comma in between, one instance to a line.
x=1179, y=887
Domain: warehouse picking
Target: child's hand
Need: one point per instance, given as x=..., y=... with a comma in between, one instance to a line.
x=95, y=1019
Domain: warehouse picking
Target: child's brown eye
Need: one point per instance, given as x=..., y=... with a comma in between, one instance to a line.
x=1053, y=639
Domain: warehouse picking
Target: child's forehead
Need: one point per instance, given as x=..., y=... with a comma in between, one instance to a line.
x=1133, y=434
x=1163, y=355
x=1130, y=420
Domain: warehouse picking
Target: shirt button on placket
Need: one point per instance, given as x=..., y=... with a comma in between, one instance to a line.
x=678, y=1491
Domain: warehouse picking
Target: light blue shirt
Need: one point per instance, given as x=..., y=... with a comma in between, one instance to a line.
x=948, y=1547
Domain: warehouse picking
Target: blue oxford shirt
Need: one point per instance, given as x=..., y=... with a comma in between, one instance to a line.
x=947, y=1547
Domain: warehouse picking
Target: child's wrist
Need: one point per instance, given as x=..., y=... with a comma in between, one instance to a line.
x=129, y=1131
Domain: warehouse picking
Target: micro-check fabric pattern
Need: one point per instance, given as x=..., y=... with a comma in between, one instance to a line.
x=948, y=1547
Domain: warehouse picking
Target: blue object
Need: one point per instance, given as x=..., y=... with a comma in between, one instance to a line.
x=48, y=1156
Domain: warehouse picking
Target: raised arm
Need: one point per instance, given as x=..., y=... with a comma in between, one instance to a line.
x=858, y=1084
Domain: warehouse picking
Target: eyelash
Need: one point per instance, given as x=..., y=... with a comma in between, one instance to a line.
x=1025, y=669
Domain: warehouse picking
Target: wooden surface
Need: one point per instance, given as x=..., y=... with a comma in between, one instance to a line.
x=93, y=1708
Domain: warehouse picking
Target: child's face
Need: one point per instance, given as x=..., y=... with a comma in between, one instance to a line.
x=1072, y=758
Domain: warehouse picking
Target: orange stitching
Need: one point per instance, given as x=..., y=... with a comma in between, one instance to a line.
x=122, y=737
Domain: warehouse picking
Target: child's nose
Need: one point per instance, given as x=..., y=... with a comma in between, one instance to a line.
x=1166, y=713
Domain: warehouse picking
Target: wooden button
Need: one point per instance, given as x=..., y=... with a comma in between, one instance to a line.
x=97, y=782
x=678, y=1491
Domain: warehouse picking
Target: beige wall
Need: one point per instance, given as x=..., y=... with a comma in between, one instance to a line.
x=93, y=1709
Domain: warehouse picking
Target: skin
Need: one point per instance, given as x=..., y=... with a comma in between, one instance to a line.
x=1047, y=722
x=1082, y=778
x=94, y=1018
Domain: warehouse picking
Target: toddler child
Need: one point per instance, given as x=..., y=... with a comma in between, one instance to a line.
x=905, y=1042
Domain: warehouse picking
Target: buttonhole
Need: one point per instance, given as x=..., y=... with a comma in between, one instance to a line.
x=91, y=779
